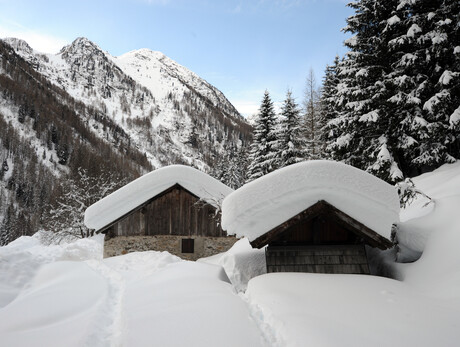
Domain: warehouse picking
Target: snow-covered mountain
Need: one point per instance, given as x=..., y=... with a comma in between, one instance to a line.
x=169, y=113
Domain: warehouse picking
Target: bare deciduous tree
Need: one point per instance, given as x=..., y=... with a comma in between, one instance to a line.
x=312, y=117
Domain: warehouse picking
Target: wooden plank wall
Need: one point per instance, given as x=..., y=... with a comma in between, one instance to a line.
x=332, y=259
x=175, y=213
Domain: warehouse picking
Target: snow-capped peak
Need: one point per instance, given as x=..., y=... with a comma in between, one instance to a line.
x=79, y=44
x=153, y=69
x=82, y=49
x=18, y=45
x=143, y=53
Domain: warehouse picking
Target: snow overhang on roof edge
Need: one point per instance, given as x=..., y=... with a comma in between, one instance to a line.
x=263, y=204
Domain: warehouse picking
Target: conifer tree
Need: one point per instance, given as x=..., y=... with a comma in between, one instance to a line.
x=238, y=166
x=439, y=22
x=230, y=169
x=397, y=100
x=291, y=143
x=262, y=154
x=6, y=226
x=328, y=103
x=363, y=130
x=426, y=81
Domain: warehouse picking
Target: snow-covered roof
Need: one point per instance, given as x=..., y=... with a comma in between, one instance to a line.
x=148, y=186
x=265, y=203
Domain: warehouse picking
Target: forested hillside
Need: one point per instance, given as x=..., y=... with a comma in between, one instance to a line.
x=170, y=113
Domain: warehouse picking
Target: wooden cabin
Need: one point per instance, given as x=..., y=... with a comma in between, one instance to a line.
x=315, y=216
x=172, y=209
x=321, y=239
x=175, y=211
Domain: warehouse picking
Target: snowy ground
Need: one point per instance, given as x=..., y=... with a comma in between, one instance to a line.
x=69, y=296
x=351, y=310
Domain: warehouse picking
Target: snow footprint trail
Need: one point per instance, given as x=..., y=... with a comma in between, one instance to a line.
x=108, y=322
x=268, y=333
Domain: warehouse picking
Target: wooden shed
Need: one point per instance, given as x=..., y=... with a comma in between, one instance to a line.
x=173, y=209
x=315, y=216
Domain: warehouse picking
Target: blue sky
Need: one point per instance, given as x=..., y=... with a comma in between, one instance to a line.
x=241, y=47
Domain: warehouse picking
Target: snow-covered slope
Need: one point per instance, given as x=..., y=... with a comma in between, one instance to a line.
x=350, y=310
x=433, y=231
x=169, y=112
x=162, y=75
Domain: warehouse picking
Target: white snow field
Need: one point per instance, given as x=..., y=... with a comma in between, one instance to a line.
x=149, y=185
x=351, y=310
x=67, y=295
x=263, y=204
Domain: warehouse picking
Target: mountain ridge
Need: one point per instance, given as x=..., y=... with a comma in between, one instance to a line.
x=143, y=84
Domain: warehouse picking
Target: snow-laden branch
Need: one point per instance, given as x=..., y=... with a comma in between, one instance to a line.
x=408, y=193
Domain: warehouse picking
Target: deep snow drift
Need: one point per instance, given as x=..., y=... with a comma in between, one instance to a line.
x=241, y=263
x=22, y=258
x=146, y=187
x=263, y=204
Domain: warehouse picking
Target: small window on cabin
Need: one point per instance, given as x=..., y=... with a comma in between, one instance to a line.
x=188, y=246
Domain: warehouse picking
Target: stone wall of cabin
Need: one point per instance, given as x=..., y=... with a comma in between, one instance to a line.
x=204, y=246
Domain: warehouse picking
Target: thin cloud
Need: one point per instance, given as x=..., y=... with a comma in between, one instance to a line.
x=41, y=42
x=237, y=9
x=246, y=108
x=249, y=108
x=157, y=2
x=289, y=3
x=284, y=4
